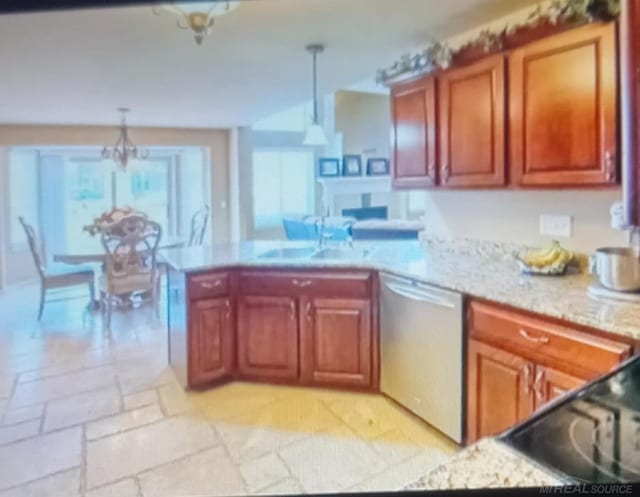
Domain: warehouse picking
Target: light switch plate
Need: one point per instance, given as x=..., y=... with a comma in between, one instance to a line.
x=555, y=225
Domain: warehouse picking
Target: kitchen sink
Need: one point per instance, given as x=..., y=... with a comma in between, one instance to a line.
x=341, y=253
x=288, y=253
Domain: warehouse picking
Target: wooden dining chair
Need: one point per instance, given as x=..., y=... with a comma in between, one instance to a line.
x=55, y=275
x=198, y=226
x=131, y=267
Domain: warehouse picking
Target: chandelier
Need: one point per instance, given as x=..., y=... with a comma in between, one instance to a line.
x=124, y=149
x=198, y=16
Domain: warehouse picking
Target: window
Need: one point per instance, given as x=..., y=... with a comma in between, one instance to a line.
x=59, y=191
x=23, y=189
x=283, y=183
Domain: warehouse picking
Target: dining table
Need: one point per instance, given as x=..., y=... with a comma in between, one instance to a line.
x=95, y=253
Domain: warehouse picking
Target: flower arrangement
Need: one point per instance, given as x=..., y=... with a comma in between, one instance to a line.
x=110, y=217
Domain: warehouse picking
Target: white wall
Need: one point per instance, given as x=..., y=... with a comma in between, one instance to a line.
x=513, y=216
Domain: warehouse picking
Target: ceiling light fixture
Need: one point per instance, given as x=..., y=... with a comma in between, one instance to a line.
x=315, y=135
x=198, y=16
x=124, y=149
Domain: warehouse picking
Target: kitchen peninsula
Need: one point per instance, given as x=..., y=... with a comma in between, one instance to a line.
x=288, y=312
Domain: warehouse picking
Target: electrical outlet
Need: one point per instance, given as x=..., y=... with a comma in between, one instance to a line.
x=555, y=225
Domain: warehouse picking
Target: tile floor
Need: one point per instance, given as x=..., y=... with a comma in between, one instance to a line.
x=84, y=413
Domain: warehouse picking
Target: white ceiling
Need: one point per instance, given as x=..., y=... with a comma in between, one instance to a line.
x=76, y=67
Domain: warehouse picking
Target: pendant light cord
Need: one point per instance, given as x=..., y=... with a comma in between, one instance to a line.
x=315, y=87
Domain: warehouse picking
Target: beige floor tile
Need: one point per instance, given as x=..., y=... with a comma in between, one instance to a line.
x=368, y=415
x=138, y=375
x=209, y=473
x=6, y=384
x=19, y=431
x=140, y=399
x=263, y=472
x=66, y=484
x=130, y=452
x=396, y=447
x=81, y=408
x=78, y=361
x=397, y=477
x=245, y=442
x=63, y=386
x=124, y=421
x=124, y=488
x=331, y=462
x=32, y=459
x=284, y=487
x=175, y=400
x=237, y=400
x=22, y=414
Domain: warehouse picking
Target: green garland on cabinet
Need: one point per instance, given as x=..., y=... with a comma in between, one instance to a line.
x=438, y=55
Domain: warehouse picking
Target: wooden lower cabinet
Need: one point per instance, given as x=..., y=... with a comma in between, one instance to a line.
x=268, y=338
x=550, y=383
x=498, y=389
x=335, y=342
x=211, y=340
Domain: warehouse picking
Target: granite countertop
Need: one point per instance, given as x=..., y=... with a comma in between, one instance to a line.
x=486, y=464
x=487, y=271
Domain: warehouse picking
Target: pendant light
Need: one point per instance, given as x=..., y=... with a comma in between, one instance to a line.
x=315, y=135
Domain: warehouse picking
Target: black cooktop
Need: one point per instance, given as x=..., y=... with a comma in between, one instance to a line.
x=591, y=436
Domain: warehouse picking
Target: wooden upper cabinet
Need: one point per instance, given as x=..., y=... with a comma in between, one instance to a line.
x=472, y=124
x=499, y=390
x=413, y=134
x=336, y=342
x=211, y=337
x=563, y=109
x=268, y=338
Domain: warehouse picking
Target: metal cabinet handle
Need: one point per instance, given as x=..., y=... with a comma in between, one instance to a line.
x=208, y=284
x=610, y=165
x=227, y=306
x=445, y=173
x=308, y=311
x=301, y=284
x=526, y=377
x=537, y=385
x=524, y=334
x=292, y=310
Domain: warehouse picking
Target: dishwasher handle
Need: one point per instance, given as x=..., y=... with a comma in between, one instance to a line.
x=420, y=295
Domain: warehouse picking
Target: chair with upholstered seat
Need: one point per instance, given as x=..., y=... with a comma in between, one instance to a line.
x=198, y=226
x=54, y=276
x=131, y=267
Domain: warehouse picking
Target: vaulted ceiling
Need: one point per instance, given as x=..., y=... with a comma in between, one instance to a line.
x=76, y=67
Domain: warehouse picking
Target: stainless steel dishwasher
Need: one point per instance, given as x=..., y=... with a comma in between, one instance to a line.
x=421, y=351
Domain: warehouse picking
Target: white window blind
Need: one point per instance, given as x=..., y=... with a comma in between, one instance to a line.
x=282, y=184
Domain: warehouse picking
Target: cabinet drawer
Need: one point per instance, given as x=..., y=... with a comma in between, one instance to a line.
x=208, y=285
x=338, y=284
x=544, y=340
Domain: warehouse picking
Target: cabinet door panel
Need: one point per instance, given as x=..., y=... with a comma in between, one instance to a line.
x=551, y=383
x=499, y=390
x=210, y=340
x=336, y=342
x=413, y=115
x=472, y=125
x=268, y=337
x=563, y=109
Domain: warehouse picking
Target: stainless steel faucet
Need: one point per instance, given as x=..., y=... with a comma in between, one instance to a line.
x=320, y=228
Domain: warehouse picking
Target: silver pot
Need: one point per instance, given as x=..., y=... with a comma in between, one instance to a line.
x=617, y=268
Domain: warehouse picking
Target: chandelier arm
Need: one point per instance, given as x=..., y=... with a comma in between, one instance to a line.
x=181, y=26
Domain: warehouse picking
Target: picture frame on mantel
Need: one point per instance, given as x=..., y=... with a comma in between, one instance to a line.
x=352, y=165
x=377, y=166
x=328, y=167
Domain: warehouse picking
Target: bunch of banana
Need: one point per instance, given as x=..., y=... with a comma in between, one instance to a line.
x=554, y=256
